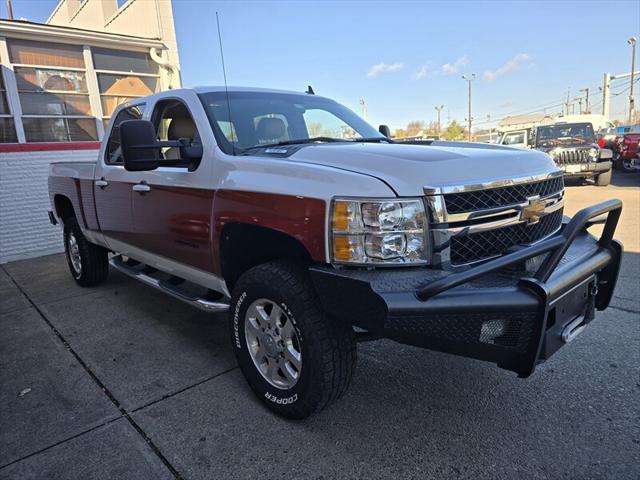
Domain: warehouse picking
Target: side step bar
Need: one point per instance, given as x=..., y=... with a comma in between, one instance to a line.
x=137, y=272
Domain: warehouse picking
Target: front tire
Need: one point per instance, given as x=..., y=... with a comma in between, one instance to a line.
x=626, y=165
x=296, y=359
x=88, y=263
x=604, y=179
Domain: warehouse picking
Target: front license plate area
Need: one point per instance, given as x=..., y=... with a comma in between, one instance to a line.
x=568, y=315
x=573, y=168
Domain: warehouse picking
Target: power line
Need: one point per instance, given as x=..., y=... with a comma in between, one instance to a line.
x=534, y=110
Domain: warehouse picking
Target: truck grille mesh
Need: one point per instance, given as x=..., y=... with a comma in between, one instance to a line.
x=501, y=197
x=572, y=156
x=477, y=246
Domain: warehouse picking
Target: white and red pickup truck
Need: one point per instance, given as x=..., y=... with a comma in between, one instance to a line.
x=315, y=231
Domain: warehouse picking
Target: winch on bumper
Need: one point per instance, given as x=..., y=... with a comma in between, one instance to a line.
x=493, y=311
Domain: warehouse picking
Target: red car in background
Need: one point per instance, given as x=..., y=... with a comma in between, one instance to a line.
x=624, y=143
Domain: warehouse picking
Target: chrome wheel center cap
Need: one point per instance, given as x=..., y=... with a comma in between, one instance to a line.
x=270, y=345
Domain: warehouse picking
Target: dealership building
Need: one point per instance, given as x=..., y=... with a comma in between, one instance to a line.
x=60, y=83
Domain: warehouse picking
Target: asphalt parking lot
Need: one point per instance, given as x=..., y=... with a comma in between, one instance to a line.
x=121, y=381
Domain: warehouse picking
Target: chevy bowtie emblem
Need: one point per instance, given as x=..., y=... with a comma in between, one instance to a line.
x=533, y=210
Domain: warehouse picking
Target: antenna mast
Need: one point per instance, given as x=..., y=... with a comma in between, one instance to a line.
x=226, y=87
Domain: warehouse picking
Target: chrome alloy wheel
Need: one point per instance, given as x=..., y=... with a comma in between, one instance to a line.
x=73, y=251
x=273, y=343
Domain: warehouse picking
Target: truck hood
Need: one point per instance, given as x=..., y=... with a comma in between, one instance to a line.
x=407, y=169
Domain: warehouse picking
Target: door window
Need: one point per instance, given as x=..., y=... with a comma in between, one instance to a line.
x=514, y=138
x=173, y=121
x=113, y=153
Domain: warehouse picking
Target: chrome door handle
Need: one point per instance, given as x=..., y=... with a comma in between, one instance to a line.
x=102, y=183
x=141, y=188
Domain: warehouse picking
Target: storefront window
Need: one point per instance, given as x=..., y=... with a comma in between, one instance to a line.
x=57, y=95
x=26, y=52
x=123, y=61
x=59, y=129
x=53, y=91
x=7, y=128
x=123, y=76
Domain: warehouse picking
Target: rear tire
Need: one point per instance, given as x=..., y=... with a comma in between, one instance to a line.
x=88, y=263
x=295, y=358
x=604, y=179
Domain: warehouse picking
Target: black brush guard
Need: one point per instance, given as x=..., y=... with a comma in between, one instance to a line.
x=493, y=311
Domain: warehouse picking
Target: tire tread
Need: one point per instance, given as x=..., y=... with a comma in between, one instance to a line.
x=95, y=261
x=336, y=341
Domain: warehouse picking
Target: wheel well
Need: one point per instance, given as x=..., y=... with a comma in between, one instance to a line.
x=64, y=208
x=244, y=246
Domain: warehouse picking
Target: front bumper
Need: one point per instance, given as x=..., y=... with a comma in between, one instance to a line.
x=585, y=169
x=493, y=311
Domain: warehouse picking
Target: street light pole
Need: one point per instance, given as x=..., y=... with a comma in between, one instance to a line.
x=469, y=119
x=439, y=109
x=632, y=42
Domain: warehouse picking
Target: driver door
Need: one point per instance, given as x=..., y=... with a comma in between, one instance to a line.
x=172, y=205
x=112, y=186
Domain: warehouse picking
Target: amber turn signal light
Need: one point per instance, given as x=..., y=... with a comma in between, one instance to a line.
x=342, y=248
x=341, y=216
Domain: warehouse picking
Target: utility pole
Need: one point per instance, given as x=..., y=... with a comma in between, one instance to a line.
x=439, y=109
x=566, y=104
x=469, y=118
x=606, y=93
x=632, y=42
x=586, y=101
x=9, y=10
x=363, y=105
x=579, y=100
x=490, y=129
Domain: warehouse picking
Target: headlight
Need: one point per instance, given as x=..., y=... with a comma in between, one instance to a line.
x=593, y=153
x=379, y=231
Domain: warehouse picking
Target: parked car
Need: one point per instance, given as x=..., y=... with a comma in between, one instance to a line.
x=574, y=149
x=517, y=138
x=607, y=138
x=314, y=231
x=628, y=153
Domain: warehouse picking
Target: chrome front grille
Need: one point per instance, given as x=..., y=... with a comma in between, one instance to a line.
x=571, y=156
x=480, y=221
x=501, y=197
x=491, y=243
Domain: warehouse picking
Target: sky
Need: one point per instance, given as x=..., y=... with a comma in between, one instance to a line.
x=405, y=57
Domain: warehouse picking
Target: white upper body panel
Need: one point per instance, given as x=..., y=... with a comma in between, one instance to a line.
x=330, y=169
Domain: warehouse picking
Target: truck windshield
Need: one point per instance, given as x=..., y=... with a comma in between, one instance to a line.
x=566, y=133
x=254, y=120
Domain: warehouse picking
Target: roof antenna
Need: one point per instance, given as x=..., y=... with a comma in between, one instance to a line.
x=310, y=90
x=226, y=88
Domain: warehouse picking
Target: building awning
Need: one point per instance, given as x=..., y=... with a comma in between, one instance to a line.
x=76, y=36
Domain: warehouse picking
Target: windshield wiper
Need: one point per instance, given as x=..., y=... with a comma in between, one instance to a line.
x=372, y=140
x=302, y=141
x=298, y=141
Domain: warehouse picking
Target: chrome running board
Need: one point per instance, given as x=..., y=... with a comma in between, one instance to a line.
x=139, y=271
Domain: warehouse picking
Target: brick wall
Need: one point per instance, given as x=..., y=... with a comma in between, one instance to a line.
x=25, y=231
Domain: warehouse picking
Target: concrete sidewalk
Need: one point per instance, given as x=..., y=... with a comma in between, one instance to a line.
x=121, y=381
